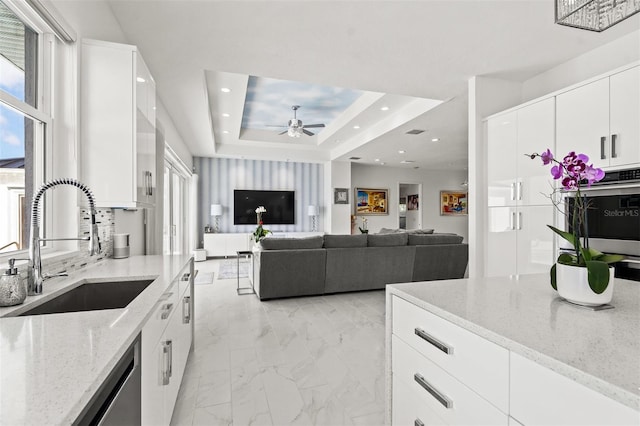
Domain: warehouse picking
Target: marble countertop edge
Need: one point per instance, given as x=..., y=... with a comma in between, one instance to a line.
x=600, y=385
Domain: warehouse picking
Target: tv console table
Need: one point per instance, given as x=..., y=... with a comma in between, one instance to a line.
x=225, y=245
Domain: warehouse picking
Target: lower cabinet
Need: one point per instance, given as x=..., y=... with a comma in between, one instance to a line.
x=218, y=245
x=166, y=343
x=443, y=374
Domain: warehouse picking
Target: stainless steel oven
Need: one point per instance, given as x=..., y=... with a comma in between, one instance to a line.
x=613, y=218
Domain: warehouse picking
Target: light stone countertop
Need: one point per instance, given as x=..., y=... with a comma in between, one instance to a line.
x=51, y=365
x=599, y=349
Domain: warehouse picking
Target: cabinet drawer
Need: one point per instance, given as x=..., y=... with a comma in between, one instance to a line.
x=162, y=312
x=543, y=397
x=408, y=410
x=449, y=399
x=481, y=365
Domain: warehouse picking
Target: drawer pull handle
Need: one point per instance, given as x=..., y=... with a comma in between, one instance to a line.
x=435, y=342
x=186, y=309
x=442, y=399
x=418, y=422
x=186, y=276
x=166, y=311
x=167, y=355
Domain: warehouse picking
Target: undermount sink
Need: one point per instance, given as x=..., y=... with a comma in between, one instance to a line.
x=92, y=296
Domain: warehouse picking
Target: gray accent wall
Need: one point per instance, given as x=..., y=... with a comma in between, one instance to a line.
x=218, y=177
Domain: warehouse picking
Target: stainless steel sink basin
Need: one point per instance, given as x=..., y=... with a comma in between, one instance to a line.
x=92, y=296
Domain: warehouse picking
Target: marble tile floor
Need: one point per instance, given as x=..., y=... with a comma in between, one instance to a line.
x=299, y=361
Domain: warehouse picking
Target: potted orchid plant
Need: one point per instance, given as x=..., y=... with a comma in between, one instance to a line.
x=583, y=276
x=260, y=232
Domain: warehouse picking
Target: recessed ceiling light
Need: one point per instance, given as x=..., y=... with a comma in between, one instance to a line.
x=402, y=151
x=226, y=132
x=224, y=114
x=384, y=108
x=407, y=162
x=225, y=90
x=435, y=140
x=356, y=127
x=376, y=160
x=382, y=164
x=140, y=80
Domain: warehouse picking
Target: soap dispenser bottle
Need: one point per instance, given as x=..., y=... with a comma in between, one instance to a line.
x=13, y=290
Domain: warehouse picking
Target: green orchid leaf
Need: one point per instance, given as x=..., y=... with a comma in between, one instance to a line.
x=598, y=275
x=566, y=235
x=553, y=277
x=594, y=253
x=567, y=259
x=609, y=258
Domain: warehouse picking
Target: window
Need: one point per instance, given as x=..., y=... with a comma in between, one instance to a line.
x=23, y=126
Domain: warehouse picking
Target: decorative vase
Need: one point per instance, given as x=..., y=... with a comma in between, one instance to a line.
x=573, y=285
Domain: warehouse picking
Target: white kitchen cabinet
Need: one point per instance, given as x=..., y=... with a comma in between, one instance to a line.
x=218, y=245
x=542, y=397
x=600, y=119
x=117, y=125
x=518, y=241
x=166, y=342
x=445, y=374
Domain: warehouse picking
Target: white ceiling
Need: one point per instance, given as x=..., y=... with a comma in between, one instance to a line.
x=396, y=51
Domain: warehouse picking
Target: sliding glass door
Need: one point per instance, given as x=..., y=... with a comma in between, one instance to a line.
x=176, y=210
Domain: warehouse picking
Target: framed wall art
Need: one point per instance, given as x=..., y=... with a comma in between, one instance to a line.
x=372, y=201
x=453, y=203
x=412, y=202
x=340, y=196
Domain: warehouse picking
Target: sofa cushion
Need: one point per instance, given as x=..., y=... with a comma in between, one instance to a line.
x=430, y=239
x=421, y=231
x=390, y=231
x=345, y=241
x=387, y=240
x=314, y=242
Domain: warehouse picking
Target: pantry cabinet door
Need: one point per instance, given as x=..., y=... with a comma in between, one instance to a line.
x=501, y=165
x=625, y=117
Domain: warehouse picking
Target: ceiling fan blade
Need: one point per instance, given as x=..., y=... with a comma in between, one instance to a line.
x=313, y=125
x=283, y=133
x=275, y=125
x=308, y=133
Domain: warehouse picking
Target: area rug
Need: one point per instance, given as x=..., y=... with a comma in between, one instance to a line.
x=229, y=269
x=203, y=278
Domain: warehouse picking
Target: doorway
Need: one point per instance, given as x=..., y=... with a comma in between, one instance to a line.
x=409, y=206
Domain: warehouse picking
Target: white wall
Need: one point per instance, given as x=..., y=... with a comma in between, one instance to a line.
x=433, y=181
x=338, y=220
x=171, y=136
x=598, y=61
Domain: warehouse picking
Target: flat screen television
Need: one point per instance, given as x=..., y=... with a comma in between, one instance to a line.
x=280, y=207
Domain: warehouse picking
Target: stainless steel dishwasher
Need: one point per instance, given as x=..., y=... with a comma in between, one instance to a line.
x=118, y=400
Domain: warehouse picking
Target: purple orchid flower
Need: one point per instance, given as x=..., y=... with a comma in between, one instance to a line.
x=547, y=157
x=556, y=171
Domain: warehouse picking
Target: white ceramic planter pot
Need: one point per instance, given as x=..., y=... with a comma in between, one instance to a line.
x=573, y=285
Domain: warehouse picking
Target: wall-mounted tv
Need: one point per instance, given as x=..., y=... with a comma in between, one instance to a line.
x=280, y=207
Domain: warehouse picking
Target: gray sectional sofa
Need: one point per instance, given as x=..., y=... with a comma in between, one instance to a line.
x=285, y=267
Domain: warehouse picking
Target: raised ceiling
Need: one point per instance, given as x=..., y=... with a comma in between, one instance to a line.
x=392, y=49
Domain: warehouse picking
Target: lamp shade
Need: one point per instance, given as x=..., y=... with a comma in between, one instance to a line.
x=312, y=211
x=216, y=210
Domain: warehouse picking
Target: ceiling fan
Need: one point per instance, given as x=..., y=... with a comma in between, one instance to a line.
x=295, y=128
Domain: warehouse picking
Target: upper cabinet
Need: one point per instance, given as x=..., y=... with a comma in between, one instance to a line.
x=118, y=103
x=600, y=119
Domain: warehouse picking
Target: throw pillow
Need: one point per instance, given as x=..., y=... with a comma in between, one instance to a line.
x=421, y=231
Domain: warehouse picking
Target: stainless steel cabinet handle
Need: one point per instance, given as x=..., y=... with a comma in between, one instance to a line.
x=186, y=309
x=150, y=183
x=435, y=342
x=613, y=146
x=441, y=398
x=166, y=362
x=512, y=222
x=512, y=187
x=186, y=276
x=519, y=192
x=519, y=220
x=166, y=310
x=603, y=140
x=418, y=422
